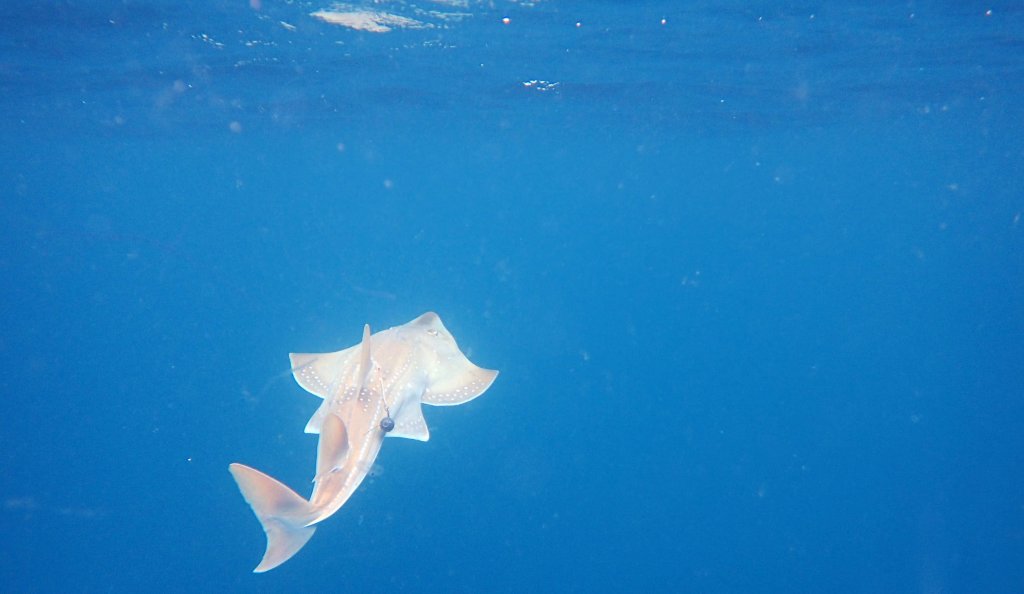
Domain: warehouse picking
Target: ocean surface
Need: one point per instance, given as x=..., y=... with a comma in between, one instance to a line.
x=752, y=273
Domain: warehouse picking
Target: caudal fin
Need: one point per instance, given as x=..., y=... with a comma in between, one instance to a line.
x=282, y=512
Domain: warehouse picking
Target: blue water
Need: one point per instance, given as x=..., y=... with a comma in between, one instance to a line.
x=753, y=277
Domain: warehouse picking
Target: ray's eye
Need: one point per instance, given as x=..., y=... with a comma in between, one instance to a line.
x=387, y=424
x=431, y=332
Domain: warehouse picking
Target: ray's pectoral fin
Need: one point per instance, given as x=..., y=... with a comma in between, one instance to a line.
x=458, y=381
x=454, y=379
x=409, y=422
x=316, y=372
x=282, y=512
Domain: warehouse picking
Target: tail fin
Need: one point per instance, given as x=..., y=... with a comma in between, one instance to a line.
x=282, y=512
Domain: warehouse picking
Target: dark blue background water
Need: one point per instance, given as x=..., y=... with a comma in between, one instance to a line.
x=753, y=278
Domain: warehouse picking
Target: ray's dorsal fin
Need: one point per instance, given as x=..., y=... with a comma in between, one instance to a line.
x=365, y=362
x=333, y=447
x=315, y=421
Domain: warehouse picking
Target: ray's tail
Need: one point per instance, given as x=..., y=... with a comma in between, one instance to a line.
x=282, y=512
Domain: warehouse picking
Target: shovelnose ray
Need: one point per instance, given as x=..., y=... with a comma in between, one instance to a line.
x=369, y=391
